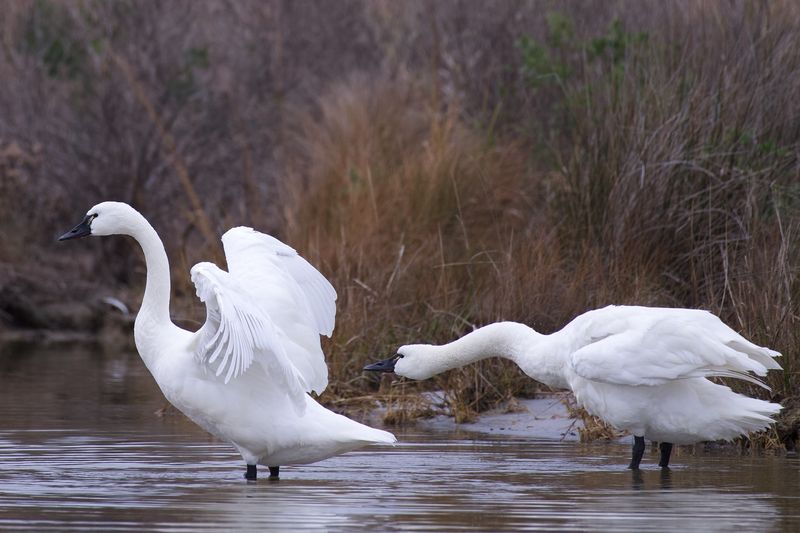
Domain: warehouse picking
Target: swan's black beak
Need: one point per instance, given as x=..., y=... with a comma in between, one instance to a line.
x=386, y=365
x=81, y=230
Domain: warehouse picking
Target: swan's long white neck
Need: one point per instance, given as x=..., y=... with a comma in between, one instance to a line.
x=533, y=352
x=501, y=339
x=155, y=304
x=153, y=317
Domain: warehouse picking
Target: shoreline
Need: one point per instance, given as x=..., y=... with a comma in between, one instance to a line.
x=544, y=417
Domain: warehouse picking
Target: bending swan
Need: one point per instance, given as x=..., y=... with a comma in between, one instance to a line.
x=244, y=376
x=640, y=369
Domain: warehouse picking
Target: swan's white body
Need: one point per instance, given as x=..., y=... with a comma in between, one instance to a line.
x=640, y=369
x=244, y=376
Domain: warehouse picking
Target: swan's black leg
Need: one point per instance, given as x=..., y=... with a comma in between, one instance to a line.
x=251, y=473
x=274, y=471
x=666, y=450
x=638, y=452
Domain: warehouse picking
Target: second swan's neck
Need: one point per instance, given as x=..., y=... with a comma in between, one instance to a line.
x=539, y=356
x=501, y=339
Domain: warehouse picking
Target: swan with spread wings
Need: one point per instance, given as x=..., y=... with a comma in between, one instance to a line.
x=246, y=374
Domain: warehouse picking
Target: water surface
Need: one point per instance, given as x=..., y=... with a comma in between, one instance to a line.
x=82, y=449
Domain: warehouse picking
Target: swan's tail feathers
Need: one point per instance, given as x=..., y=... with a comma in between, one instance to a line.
x=379, y=436
x=369, y=435
x=701, y=410
x=752, y=415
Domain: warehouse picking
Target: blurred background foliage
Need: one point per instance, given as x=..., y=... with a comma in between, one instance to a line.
x=445, y=163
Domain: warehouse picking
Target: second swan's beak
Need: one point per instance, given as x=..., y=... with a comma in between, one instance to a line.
x=81, y=230
x=385, y=365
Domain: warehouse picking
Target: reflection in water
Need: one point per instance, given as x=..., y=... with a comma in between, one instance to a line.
x=80, y=449
x=665, y=479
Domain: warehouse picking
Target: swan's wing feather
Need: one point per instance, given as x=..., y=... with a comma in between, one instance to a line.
x=300, y=301
x=652, y=346
x=249, y=252
x=237, y=334
x=319, y=294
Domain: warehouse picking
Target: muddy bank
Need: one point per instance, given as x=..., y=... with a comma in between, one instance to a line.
x=39, y=305
x=549, y=417
x=545, y=417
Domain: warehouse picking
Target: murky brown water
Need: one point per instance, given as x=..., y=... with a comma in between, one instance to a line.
x=81, y=449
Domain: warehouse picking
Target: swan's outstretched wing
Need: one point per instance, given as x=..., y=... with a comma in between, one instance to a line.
x=238, y=334
x=651, y=346
x=301, y=302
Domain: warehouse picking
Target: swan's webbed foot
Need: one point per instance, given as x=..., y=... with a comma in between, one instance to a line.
x=638, y=452
x=274, y=472
x=666, y=450
x=251, y=474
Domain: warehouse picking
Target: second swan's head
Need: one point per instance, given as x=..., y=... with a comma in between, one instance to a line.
x=415, y=361
x=106, y=218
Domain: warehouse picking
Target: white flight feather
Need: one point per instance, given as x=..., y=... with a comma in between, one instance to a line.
x=299, y=298
x=238, y=333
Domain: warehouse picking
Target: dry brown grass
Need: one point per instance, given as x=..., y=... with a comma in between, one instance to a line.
x=412, y=214
x=592, y=427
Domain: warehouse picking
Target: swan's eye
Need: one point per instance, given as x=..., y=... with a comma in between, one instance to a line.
x=91, y=217
x=400, y=356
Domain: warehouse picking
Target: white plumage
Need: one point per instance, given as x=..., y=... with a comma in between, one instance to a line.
x=641, y=369
x=245, y=375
